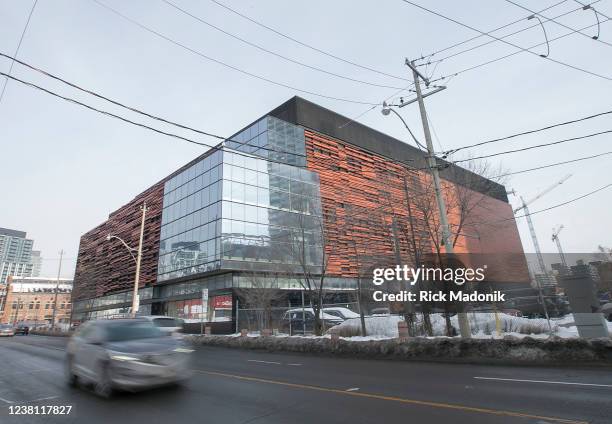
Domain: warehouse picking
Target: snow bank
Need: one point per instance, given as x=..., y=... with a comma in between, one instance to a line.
x=507, y=350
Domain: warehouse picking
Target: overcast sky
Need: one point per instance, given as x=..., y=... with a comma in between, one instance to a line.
x=65, y=168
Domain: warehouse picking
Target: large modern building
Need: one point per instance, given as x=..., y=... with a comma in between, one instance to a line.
x=297, y=191
x=15, y=254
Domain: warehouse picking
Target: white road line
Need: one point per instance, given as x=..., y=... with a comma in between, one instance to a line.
x=352, y=389
x=6, y=401
x=42, y=398
x=264, y=362
x=295, y=365
x=544, y=382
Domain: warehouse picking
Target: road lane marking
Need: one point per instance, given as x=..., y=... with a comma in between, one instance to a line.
x=6, y=400
x=395, y=399
x=544, y=382
x=352, y=389
x=294, y=365
x=264, y=362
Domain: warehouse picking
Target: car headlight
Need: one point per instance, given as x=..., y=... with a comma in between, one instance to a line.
x=124, y=358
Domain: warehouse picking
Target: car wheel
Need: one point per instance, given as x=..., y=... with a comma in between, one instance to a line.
x=71, y=377
x=103, y=385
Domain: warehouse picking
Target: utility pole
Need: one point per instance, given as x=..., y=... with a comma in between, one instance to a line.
x=464, y=325
x=59, y=271
x=135, y=298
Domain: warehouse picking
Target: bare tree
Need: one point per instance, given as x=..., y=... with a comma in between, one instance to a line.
x=309, y=252
x=263, y=291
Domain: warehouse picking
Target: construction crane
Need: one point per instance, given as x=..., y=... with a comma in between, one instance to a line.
x=555, y=238
x=525, y=209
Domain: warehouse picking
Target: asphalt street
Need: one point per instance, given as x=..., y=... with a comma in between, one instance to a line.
x=235, y=386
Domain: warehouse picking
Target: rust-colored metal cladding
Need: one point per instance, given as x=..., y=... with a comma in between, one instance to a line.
x=105, y=266
x=379, y=212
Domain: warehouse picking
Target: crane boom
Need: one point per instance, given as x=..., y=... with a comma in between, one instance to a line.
x=555, y=238
x=542, y=193
x=525, y=208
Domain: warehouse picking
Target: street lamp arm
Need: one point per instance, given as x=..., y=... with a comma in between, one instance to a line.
x=407, y=127
x=130, y=249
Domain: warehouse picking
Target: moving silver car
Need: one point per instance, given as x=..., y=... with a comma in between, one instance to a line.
x=125, y=354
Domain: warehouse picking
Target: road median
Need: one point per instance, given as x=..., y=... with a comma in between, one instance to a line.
x=506, y=351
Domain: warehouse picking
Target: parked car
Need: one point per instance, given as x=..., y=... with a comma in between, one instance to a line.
x=167, y=325
x=22, y=329
x=340, y=312
x=6, y=330
x=124, y=354
x=301, y=320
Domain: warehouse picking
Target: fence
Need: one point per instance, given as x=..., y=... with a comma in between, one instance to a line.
x=293, y=319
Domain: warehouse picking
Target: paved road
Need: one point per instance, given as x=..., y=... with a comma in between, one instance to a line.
x=233, y=386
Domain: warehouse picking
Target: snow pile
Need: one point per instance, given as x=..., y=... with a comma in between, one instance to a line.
x=482, y=324
x=377, y=326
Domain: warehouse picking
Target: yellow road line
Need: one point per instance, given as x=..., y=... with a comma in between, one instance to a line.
x=395, y=399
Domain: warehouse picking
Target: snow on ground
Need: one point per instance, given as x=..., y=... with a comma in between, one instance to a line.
x=483, y=326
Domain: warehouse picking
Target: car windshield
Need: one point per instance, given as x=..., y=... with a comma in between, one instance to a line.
x=119, y=332
x=3, y=326
x=166, y=322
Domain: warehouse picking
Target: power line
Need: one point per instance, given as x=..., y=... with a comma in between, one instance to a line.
x=218, y=147
x=301, y=43
x=490, y=31
x=25, y=28
x=505, y=36
x=575, y=199
x=133, y=109
x=507, y=42
x=552, y=165
x=559, y=23
x=259, y=47
x=227, y=65
x=488, y=62
x=558, y=205
x=495, y=140
x=537, y=146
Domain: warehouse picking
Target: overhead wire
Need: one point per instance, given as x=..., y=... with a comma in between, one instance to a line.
x=264, y=49
x=548, y=127
x=506, y=36
x=131, y=108
x=303, y=44
x=536, y=146
x=552, y=165
x=219, y=62
x=489, y=32
x=559, y=23
x=25, y=29
x=522, y=49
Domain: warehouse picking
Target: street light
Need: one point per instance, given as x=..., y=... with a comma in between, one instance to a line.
x=433, y=169
x=137, y=259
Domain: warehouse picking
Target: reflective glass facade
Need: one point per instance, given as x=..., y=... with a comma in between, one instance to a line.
x=268, y=208
x=253, y=205
x=191, y=217
x=274, y=139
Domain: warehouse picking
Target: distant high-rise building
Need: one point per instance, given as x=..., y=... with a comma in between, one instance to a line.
x=15, y=254
x=36, y=263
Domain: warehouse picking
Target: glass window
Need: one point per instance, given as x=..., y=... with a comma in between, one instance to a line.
x=237, y=211
x=250, y=213
x=263, y=196
x=238, y=192
x=238, y=174
x=250, y=194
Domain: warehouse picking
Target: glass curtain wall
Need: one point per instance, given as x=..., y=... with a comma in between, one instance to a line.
x=252, y=201
x=191, y=219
